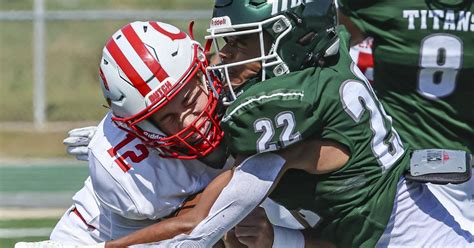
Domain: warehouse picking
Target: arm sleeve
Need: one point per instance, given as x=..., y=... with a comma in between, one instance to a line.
x=249, y=185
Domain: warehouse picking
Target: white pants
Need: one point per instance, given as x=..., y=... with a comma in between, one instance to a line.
x=458, y=199
x=419, y=220
x=71, y=229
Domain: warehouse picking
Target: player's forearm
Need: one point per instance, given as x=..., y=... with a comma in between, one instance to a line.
x=185, y=223
x=250, y=184
x=160, y=231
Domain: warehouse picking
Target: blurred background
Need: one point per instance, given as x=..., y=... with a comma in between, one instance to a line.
x=49, y=55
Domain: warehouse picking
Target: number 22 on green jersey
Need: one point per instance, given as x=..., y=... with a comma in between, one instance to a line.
x=357, y=97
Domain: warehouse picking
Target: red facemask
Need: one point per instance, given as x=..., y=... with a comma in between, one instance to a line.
x=198, y=139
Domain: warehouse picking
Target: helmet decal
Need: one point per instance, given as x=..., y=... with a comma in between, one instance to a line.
x=159, y=92
x=222, y=21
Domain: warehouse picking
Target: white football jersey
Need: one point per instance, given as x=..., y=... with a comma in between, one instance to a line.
x=135, y=183
x=129, y=188
x=85, y=222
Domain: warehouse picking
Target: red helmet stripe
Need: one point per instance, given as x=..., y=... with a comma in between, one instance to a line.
x=127, y=68
x=178, y=36
x=104, y=80
x=144, y=53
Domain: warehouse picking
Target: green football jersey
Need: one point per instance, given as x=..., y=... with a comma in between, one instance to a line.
x=331, y=102
x=424, y=67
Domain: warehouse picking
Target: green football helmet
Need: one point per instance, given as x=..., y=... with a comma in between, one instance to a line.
x=301, y=31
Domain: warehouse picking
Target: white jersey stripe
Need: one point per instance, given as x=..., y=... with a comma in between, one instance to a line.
x=229, y=116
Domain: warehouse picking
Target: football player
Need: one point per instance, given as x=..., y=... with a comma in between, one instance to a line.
x=131, y=185
x=423, y=68
x=146, y=68
x=305, y=125
x=359, y=190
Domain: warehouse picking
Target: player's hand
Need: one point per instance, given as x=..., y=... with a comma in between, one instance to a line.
x=231, y=241
x=255, y=230
x=77, y=141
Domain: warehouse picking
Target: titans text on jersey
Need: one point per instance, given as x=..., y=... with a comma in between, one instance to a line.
x=439, y=20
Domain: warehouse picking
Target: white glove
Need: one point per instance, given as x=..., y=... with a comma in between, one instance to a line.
x=54, y=244
x=77, y=141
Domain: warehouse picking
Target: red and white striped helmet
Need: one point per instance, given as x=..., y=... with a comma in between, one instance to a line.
x=143, y=67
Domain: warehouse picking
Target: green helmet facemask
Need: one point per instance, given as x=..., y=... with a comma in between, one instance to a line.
x=301, y=33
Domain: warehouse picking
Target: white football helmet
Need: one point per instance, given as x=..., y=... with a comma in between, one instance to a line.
x=143, y=67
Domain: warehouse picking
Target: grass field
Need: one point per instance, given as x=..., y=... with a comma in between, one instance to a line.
x=30, y=189
x=73, y=51
x=27, y=145
x=107, y=4
x=36, y=228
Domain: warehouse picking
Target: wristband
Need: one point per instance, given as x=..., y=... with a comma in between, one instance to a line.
x=285, y=237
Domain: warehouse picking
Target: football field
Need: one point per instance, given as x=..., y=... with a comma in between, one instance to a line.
x=34, y=195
